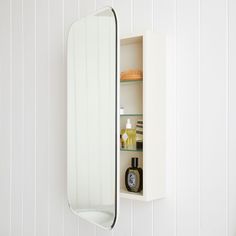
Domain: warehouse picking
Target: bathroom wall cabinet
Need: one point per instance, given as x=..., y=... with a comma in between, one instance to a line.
x=97, y=158
x=145, y=99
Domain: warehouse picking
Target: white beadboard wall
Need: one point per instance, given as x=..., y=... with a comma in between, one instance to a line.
x=201, y=115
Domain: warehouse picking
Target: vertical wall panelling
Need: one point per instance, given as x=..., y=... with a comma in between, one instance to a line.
x=125, y=18
x=86, y=7
x=232, y=118
x=17, y=119
x=101, y=232
x=165, y=210
x=64, y=117
x=5, y=114
x=99, y=5
x=78, y=15
x=213, y=117
x=42, y=107
x=124, y=223
x=201, y=114
x=86, y=228
x=70, y=15
x=103, y=3
x=57, y=123
x=123, y=10
x=142, y=20
x=187, y=117
x=154, y=15
x=142, y=219
x=29, y=119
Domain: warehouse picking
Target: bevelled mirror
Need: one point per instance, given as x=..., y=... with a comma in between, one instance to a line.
x=92, y=118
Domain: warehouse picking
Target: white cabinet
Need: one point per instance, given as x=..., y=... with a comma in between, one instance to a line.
x=145, y=99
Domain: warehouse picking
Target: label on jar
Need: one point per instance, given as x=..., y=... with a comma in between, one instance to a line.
x=131, y=180
x=124, y=136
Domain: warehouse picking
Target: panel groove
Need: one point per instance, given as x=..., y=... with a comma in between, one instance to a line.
x=63, y=72
x=48, y=112
x=152, y=218
x=79, y=16
x=213, y=117
x=199, y=118
x=23, y=116
x=176, y=120
x=24, y=214
x=11, y=120
x=227, y=121
x=35, y=120
x=132, y=218
x=152, y=28
x=78, y=9
x=132, y=15
x=232, y=118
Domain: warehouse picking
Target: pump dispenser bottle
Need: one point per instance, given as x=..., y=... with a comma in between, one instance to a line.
x=129, y=136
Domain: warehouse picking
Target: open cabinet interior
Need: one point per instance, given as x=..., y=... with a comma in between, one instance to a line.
x=142, y=101
x=131, y=101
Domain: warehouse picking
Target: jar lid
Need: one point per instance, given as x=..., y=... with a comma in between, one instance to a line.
x=134, y=162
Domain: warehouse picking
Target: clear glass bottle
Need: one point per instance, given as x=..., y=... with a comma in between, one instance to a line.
x=129, y=136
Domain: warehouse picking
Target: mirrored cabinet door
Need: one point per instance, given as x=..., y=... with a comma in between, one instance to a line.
x=92, y=120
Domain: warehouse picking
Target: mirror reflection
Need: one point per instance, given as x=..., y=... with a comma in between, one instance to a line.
x=92, y=118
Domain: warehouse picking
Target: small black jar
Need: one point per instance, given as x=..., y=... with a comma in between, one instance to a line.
x=134, y=177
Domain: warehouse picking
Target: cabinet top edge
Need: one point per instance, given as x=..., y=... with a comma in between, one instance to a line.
x=137, y=37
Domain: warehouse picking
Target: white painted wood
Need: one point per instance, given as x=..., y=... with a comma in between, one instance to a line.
x=124, y=11
x=150, y=49
x=103, y=232
x=86, y=228
x=86, y=7
x=165, y=209
x=17, y=119
x=71, y=221
x=154, y=131
x=231, y=194
x=29, y=169
x=187, y=118
x=103, y=3
x=154, y=15
x=124, y=224
x=142, y=20
x=57, y=119
x=42, y=112
x=213, y=95
x=142, y=218
x=133, y=196
x=5, y=118
x=213, y=113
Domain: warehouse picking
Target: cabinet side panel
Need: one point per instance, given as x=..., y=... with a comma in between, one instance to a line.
x=154, y=107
